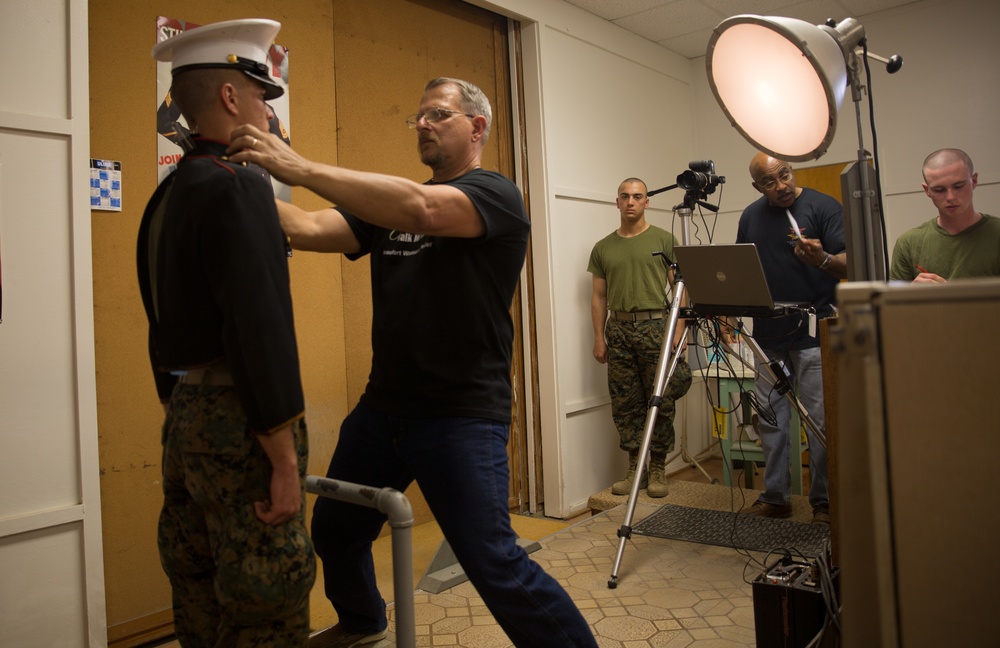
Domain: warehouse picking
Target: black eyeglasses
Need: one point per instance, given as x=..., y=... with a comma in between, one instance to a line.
x=433, y=115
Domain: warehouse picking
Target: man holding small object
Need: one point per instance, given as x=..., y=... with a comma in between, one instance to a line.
x=959, y=242
x=799, y=234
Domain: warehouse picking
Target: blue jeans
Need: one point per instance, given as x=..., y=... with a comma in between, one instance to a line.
x=807, y=376
x=461, y=467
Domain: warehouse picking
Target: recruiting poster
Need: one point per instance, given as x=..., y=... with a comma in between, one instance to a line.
x=173, y=136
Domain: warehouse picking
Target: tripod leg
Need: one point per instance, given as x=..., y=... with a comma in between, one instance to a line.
x=780, y=383
x=664, y=370
x=684, y=454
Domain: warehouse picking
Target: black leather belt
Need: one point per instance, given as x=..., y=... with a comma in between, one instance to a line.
x=638, y=316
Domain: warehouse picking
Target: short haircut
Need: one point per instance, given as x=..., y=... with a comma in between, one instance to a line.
x=944, y=157
x=645, y=189
x=471, y=99
x=194, y=90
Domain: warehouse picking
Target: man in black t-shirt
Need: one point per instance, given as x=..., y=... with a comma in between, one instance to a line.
x=799, y=234
x=445, y=256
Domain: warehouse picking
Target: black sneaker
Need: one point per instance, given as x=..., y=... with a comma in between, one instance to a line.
x=337, y=637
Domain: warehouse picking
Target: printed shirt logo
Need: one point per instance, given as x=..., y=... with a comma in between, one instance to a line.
x=404, y=237
x=404, y=244
x=792, y=237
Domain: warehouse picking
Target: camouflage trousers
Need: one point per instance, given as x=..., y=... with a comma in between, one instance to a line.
x=633, y=354
x=236, y=581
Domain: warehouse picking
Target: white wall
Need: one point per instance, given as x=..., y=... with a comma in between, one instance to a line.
x=625, y=119
x=603, y=104
x=945, y=95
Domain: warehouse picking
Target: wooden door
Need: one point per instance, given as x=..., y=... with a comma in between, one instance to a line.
x=379, y=78
x=357, y=69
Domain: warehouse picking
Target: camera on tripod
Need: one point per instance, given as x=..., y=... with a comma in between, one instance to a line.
x=700, y=178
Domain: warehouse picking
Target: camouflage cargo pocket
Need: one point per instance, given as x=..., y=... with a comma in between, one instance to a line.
x=264, y=571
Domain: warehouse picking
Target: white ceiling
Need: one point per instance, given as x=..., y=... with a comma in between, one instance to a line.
x=685, y=26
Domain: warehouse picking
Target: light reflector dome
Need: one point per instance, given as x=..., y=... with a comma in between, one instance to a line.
x=780, y=81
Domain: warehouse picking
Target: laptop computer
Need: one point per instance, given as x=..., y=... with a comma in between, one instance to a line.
x=728, y=280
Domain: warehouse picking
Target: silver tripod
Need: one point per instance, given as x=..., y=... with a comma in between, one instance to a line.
x=664, y=370
x=774, y=370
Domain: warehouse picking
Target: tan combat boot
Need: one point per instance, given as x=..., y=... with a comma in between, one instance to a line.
x=657, y=480
x=624, y=487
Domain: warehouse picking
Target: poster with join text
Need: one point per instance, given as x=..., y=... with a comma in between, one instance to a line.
x=172, y=134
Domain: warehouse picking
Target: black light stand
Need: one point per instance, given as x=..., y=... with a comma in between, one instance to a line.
x=699, y=181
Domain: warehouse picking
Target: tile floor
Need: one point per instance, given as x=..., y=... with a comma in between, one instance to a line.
x=669, y=593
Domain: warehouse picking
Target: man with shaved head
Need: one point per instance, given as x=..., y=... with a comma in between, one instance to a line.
x=630, y=312
x=960, y=241
x=799, y=234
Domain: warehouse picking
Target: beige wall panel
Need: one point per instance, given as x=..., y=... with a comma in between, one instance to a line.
x=45, y=607
x=37, y=385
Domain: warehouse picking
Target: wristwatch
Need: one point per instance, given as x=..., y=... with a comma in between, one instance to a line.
x=826, y=262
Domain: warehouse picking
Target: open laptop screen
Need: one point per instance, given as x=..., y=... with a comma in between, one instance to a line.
x=728, y=280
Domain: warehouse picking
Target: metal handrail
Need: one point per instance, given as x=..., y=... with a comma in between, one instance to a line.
x=397, y=507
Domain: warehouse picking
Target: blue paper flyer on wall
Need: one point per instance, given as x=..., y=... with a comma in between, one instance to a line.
x=105, y=185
